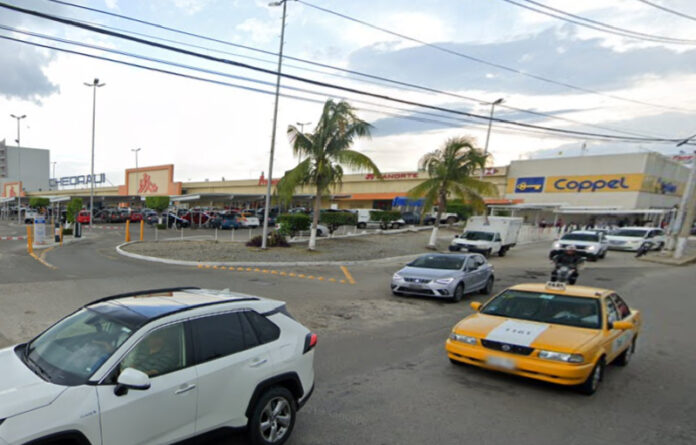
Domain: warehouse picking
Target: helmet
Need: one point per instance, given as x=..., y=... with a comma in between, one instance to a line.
x=570, y=249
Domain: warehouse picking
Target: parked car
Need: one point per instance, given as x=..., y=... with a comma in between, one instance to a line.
x=30, y=215
x=562, y=334
x=175, y=221
x=364, y=220
x=588, y=243
x=248, y=220
x=196, y=217
x=83, y=217
x=411, y=217
x=225, y=221
x=159, y=366
x=631, y=238
x=136, y=216
x=150, y=216
x=445, y=218
x=444, y=276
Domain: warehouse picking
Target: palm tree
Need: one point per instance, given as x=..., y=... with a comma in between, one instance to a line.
x=325, y=152
x=450, y=169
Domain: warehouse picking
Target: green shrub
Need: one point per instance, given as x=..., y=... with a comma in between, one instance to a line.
x=384, y=217
x=333, y=220
x=464, y=211
x=275, y=239
x=73, y=208
x=67, y=232
x=37, y=203
x=292, y=223
x=158, y=203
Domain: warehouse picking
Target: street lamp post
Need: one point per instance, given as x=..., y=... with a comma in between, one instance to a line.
x=488, y=134
x=94, y=85
x=685, y=217
x=19, y=167
x=267, y=208
x=136, y=150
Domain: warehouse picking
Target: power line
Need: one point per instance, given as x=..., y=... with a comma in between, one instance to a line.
x=580, y=21
x=318, y=64
x=671, y=11
x=493, y=64
x=320, y=83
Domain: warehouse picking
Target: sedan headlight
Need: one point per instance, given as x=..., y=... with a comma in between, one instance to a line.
x=397, y=277
x=561, y=356
x=444, y=280
x=556, y=245
x=463, y=338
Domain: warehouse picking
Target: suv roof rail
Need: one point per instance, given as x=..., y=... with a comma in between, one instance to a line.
x=142, y=292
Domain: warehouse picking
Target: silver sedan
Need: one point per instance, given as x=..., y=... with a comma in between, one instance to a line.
x=444, y=276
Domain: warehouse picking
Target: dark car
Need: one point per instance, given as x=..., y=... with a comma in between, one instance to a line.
x=225, y=221
x=175, y=221
x=150, y=217
x=411, y=218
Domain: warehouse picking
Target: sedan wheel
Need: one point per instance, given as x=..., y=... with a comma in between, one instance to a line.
x=488, y=289
x=458, y=293
x=592, y=383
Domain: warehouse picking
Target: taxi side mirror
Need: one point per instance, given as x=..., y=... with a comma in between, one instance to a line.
x=475, y=305
x=621, y=325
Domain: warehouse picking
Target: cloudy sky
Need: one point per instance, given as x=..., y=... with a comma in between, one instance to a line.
x=209, y=130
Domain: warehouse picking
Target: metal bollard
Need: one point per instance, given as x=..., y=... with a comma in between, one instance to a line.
x=142, y=229
x=30, y=241
x=128, y=231
x=216, y=235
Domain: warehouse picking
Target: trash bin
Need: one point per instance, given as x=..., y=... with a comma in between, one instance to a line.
x=39, y=230
x=56, y=232
x=77, y=233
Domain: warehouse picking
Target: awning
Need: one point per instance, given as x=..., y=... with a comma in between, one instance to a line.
x=499, y=201
x=405, y=201
x=4, y=200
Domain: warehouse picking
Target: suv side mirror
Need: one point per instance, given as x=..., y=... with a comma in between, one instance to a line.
x=131, y=378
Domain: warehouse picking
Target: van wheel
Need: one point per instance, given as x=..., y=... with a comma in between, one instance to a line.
x=362, y=225
x=592, y=383
x=502, y=251
x=273, y=417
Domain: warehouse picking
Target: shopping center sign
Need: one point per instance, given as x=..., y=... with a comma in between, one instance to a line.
x=11, y=189
x=393, y=176
x=576, y=184
x=151, y=181
x=99, y=178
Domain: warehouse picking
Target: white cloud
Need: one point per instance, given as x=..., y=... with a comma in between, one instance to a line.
x=260, y=31
x=191, y=6
x=111, y=4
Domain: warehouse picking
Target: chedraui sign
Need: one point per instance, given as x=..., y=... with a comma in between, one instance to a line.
x=632, y=182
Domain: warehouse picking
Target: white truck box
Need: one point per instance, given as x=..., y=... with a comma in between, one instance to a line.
x=497, y=234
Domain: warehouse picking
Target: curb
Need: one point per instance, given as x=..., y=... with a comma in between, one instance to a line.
x=669, y=261
x=152, y=259
x=13, y=238
x=65, y=243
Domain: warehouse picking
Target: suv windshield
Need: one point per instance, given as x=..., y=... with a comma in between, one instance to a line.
x=72, y=350
x=636, y=233
x=581, y=237
x=546, y=308
x=438, y=262
x=477, y=236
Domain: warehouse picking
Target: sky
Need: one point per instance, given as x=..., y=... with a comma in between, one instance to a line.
x=213, y=131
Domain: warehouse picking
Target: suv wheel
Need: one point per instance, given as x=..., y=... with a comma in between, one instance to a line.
x=273, y=417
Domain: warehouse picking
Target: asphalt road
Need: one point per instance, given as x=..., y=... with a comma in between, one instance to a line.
x=382, y=374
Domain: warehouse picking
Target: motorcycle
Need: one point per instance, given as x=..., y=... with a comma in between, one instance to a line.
x=564, y=273
x=644, y=248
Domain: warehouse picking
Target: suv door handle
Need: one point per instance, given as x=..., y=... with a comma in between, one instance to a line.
x=184, y=389
x=257, y=362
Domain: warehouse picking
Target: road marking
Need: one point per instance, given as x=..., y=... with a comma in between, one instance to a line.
x=349, y=277
x=41, y=259
x=276, y=272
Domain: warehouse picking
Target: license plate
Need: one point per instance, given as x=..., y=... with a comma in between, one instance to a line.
x=501, y=362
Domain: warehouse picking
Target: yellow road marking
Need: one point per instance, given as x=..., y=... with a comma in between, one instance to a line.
x=264, y=271
x=200, y=266
x=320, y=278
x=291, y=274
x=311, y=277
x=240, y=268
x=301, y=275
x=41, y=259
x=249, y=269
x=333, y=280
x=349, y=277
x=274, y=272
x=283, y=274
x=342, y=281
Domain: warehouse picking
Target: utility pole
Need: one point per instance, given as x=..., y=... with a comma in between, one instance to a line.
x=19, y=168
x=488, y=134
x=267, y=208
x=685, y=217
x=94, y=87
x=136, y=150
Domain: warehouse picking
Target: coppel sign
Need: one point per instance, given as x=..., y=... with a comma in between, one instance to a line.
x=99, y=178
x=594, y=183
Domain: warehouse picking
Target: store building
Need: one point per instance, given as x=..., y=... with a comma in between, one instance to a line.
x=24, y=169
x=609, y=188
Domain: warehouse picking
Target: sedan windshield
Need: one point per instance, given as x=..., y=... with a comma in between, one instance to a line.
x=546, y=308
x=438, y=262
x=581, y=237
x=477, y=236
x=630, y=232
x=72, y=350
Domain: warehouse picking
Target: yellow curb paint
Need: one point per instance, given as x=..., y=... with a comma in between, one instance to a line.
x=301, y=275
x=240, y=268
x=283, y=274
x=333, y=280
x=264, y=271
x=291, y=274
x=256, y=269
x=274, y=272
x=342, y=281
x=320, y=278
x=200, y=266
x=349, y=277
x=248, y=269
x=311, y=277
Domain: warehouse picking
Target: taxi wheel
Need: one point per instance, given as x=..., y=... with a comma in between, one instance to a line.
x=625, y=356
x=458, y=293
x=592, y=383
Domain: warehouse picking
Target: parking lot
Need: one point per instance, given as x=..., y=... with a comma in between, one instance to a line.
x=382, y=374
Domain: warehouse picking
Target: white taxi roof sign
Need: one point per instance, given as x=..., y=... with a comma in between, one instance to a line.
x=556, y=285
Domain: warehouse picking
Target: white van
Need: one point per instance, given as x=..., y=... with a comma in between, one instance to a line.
x=365, y=220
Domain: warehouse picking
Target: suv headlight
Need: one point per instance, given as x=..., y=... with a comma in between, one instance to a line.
x=444, y=280
x=556, y=245
x=463, y=338
x=397, y=277
x=591, y=248
x=561, y=356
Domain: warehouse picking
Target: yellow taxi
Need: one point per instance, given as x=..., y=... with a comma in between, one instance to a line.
x=554, y=332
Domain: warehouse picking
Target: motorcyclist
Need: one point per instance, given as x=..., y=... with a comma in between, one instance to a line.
x=570, y=258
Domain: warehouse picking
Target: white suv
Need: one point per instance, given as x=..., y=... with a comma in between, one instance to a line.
x=156, y=367
x=588, y=243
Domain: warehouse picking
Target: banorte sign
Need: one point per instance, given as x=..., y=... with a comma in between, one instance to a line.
x=393, y=176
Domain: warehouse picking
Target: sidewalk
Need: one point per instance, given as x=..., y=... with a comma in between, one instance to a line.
x=667, y=257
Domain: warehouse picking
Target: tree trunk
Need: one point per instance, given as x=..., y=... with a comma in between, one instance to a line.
x=432, y=244
x=315, y=221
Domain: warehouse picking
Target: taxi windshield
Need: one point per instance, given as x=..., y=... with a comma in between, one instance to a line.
x=566, y=310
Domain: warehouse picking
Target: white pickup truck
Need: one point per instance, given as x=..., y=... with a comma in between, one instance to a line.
x=496, y=234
